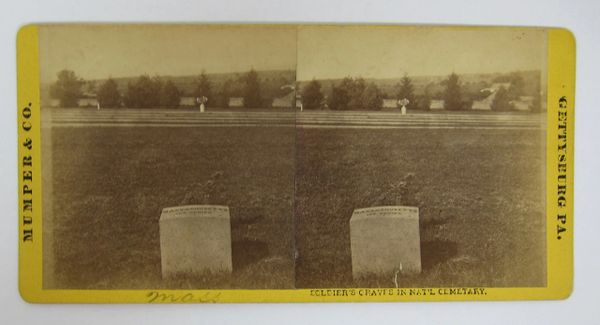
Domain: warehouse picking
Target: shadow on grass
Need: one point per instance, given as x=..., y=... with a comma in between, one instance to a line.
x=437, y=252
x=247, y=215
x=246, y=252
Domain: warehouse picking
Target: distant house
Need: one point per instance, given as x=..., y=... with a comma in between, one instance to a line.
x=390, y=103
x=187, y=101
x=286, y=101
x=437, y=104
x=486, y=103
x=495, y=86
x=524, y=103
x=236, y=102
x=87, y=100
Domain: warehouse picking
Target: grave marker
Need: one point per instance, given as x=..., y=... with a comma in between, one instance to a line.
x=403, y=102
x=385, y=241
x=195, y=239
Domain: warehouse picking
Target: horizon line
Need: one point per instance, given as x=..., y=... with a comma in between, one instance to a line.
x=305, y=80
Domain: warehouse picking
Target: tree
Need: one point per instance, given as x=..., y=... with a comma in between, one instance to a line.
x=108, y=94
x=312, y=96
x=203, y=88
x=169, y=95
x=251, y=90
x=452, y=94
x=501, y=100
x=424, y=100
x=353, y=88
x=406, y=90
x=225, y=92
x=339, y=99
x=517, y=84
x=536, y=106
x=145, y=92
x=90, y=87
x=355, y=92
x=372, y=97
x=67, y=89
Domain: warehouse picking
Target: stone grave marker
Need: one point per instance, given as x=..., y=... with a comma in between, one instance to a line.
x=195, y=239
x=385, y=241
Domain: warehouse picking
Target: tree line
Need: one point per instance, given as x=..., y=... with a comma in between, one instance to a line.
x=356, y=93
x=153, y=92
x=349, y=94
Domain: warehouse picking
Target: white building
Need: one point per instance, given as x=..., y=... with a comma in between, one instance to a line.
x=187, y=101
x=437, y=104
x=54, y=102
x=87, y=101
x=236, y=102
x=389, y=103
x=524, y=103
x=286, y=101
x=486, y=103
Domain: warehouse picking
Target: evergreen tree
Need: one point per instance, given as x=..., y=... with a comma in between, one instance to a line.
x=225, y=92
x=252, y=98
x=312, y=96
x=339, y=99
x=355, y=92
x=108, y=94
x=536, y=106
x=372, y=97
x=203, y=88
x=424, y=100
x=145, y=92
x=452, y=94
x=90, y=87
x=406, y=90
x=169, y=95
x=67, y=89
x=501, y=100
x=517, y=85
x=353, y=88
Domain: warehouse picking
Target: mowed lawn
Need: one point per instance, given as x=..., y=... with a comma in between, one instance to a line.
x=481, y=195
x=110, y=185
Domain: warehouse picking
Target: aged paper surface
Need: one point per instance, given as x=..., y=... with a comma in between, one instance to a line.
x=311, y=163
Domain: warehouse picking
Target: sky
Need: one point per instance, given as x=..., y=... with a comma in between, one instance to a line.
x=321, y=52
x=389, y=52
x=100, y=51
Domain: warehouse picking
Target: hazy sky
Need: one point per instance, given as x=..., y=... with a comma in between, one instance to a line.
x=389, y=52
x=97, y=51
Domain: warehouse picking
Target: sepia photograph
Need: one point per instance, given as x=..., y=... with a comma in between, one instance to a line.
x=422, y=163
x=293, y=156
x=168, y=156
x=353, y=162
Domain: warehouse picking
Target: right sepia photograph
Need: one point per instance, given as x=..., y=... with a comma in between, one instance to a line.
x=420, y=157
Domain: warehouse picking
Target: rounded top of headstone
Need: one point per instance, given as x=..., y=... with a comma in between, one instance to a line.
x=188, y=211
x=394, y=211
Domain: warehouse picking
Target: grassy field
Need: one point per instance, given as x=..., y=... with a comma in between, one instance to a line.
x=480, y=195
x=110, y=185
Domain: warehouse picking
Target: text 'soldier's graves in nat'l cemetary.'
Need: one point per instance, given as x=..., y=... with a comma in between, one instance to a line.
x=385, y=241
x=195, y=239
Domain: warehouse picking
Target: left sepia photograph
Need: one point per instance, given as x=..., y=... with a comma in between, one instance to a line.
x=168, y=156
